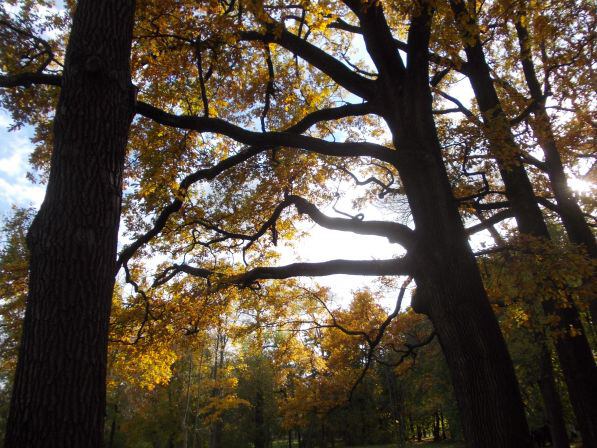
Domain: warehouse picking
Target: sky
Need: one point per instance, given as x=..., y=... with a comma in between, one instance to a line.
x=15, y=188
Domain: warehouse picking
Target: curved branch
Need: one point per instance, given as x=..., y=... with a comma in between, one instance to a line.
x=380, y=333
x=351, y=81
x=394, y=232
x=288, y=139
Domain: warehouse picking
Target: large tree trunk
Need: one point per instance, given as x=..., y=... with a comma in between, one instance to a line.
x=449, y=286
x=59, y=391
x=573, y=352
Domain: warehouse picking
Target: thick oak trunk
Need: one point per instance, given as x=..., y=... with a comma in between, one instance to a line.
x=449, y=286
x=450, y=290
x=59, y=391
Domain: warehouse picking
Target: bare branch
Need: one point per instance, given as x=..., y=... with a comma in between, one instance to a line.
x=380, y=333
x=492, y=220
x=377, y=268
x=394, y=232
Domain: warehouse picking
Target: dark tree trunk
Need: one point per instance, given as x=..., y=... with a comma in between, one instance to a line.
x=573, y=352
x=59, y=391
x=449, y=286
x=112, y=433
x=436, y=433
x=551, y=401
x=441, y=420
x=260, y=436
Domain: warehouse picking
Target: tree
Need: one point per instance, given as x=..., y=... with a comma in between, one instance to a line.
x=59, y=389
x=439, y=255
x=14, y=258
x=286, y=65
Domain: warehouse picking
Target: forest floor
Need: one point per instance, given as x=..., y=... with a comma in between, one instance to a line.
x=424, y=444
x=430, y=444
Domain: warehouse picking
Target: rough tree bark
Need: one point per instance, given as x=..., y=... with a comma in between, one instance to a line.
x=59, y=391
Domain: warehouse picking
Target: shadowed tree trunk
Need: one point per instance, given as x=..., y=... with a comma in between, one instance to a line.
x=552, y=401
x=260, y=433
x=59, y=391
x=449, y=286
x=570, y=212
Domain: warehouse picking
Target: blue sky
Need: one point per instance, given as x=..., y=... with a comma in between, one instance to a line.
x=15, y=188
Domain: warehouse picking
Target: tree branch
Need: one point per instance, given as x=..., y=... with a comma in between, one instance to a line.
x=394, y=232
x=492, y=220
x=28, y=79
x=400, y=266
x=351, y=81
x=288, y=139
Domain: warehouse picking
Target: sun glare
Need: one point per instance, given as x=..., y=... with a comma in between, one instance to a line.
x=580, y=186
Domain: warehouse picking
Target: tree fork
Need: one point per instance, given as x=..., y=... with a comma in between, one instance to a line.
x=59, y=391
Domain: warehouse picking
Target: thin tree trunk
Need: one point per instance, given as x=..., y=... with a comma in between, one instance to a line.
x=570, y=212
x=260, y=436
x=112, y=429
x=436, y=434
x=185, y=429
x=441, y=419
x=59, y=395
